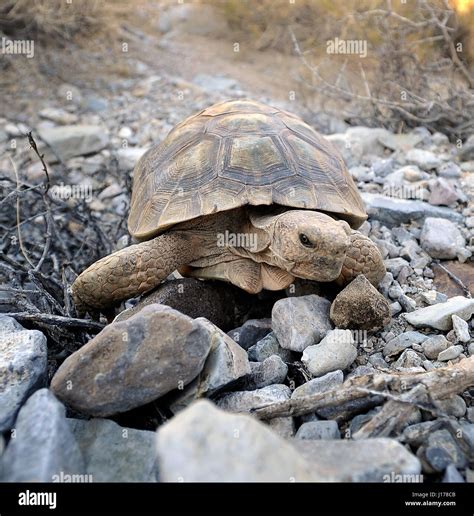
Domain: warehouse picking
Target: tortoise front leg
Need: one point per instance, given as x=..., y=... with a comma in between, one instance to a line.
x=362, y=257
x=131, y=271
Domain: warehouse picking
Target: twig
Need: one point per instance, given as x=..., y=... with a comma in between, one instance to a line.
x=56, y=320
x=440, y=383
x=33, y=145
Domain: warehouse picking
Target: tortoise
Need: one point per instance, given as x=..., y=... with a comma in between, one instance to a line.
x=241, y=192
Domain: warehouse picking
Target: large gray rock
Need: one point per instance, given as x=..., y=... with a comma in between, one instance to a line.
x=267, y=347
x=43, y=448
x=23, y=367
x=251, y=332
x=205, y=444
x=393, y=212
x=401, y=342
x=440, y=238
x=299, y=322
x=269, y=372
x=226, y=362
x=439, y=316
x=134, y=362
x=245, y=401
x=113, y=453
x=318, y=430
x=335, y=351
x=365, y=460
x=68, y=141
x=317, y=385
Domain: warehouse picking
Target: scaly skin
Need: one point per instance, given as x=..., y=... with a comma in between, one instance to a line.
x=131, y=271
x=362, y=257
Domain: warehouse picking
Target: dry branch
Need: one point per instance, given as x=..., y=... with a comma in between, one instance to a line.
x=438, y=384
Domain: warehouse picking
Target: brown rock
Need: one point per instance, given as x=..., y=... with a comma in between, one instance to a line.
x=360, y=306
x=134, y=362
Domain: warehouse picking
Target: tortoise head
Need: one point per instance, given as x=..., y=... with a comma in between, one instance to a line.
x=314, y=242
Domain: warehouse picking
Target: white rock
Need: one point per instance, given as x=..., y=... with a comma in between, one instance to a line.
x=440, y=238
x=461, y=328
x=450, y=353
x=23, y=367
x=335, y=351
x=439, y=316
x=424, y=159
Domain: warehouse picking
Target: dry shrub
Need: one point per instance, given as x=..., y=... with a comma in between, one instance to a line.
x=50, y=20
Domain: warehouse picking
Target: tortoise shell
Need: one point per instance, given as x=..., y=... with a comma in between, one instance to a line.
x=239, y=153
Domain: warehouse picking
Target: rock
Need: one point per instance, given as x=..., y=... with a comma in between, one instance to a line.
x=282, y=426
x=271, y=371
x=318, y=430
x=400, y=142
x=441, y=238
x=450, y=353
x=453, y=406
x=452, y=475
x=442, y=193
x=335, y=351
x=364, y=460
x=322, y=384
x=267, y=347
x=226, y=362
x=115, y=454
x=244, y=401
x=461, y=328
x=222, y=304
x=439, y=316
x=360, y=306
x=300, y=322
x=395, y=265
x=44, y=446
x=424, y=159
x=470, y=414
x=416, y=434
x=60, y=116
x=70, y=94
x=68, y=141
x=205, y=444
x=95, y=104
x=360, y=173
x=134, y=362
x=382, y=167
x=23, y=367
x=408, y=359
x=394, y=212
x=433, y=346
x=450, y=170
x=251, y=332
x=440, y=451
x=129, y=157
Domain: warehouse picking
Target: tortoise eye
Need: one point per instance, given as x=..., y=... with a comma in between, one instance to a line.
x=305, y=240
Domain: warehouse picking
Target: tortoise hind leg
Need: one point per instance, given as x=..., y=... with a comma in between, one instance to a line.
x=131, y=271
x=362, y=257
